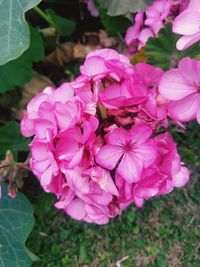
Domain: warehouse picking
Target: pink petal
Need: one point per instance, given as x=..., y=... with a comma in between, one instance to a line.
x=39, y=150
x=173, y=86
x=186, y=108
x=147, y=152
x=46, y=178
x=190, y=69
x=118, y=137
x=94, y=65
x=76, y=182
x=182, y=177
x=62, y=94
x=130, y=168
x=186, y=41
x=187, y=23
x=140, y=133
x=76, y=209
x=108, y=156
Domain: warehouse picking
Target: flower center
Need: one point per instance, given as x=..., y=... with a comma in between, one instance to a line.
x=128, y=147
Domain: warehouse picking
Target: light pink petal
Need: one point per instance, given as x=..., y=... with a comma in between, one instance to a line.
x=94, y=66
x=38, y=167
x=76, y=158
x=130, y=168
x=62, y=94
x=76, y=209
x=103, y=179
x=46, y=178
x=108, y=156
x=182, y=177
x=27, y=126
x=76, y=182
x=174, y=86
x=34, y=104
x=144, y=35
x=190, y=69
x=139, y=202
x=41, y=126
x=39, y=150
x=96, y=214
x=186, y=41
x=187, y=23
x=65, y=199
x=186, y=108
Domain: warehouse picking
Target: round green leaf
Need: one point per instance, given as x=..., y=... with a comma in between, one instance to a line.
x=14, y=30
x=19, y=71
x=122, y=7
x=16, y=223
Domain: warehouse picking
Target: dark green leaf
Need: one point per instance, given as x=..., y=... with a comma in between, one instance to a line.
x=162, y=52
x=19, y=71
x=64, y=27
x=122, y=7
x=14, y=31
x=16, y=223
x=11, y=139
x=113, y=25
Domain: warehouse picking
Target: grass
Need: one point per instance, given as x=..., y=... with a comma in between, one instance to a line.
x=165, y=232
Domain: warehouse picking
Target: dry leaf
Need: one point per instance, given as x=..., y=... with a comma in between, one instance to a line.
x=61, y=55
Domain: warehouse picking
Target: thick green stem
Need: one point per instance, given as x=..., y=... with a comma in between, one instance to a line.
x=43, y=15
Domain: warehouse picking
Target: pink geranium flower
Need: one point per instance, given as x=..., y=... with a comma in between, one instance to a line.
x=188, y=25
x=92, y=144
x=132, y=149
x=182, y=87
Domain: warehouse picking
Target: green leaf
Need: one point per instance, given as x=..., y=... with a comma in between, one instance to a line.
x=19, y=71
x=14, y=31
x=11, y=139
x=162, y=52
x=113, y=25
x=16, y=223
x=64, y=27
x=122, y=7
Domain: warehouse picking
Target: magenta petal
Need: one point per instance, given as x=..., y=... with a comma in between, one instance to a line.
x=108, y=156
x=141, y=133
x=147, y=152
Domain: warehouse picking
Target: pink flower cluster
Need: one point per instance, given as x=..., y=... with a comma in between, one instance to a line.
x=95, y=142
x=148, y=24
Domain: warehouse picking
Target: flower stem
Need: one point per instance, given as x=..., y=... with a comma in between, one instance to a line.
x=43, y=15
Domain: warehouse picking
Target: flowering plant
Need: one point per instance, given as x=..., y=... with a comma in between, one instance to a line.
x=97, y=143
x=91, y=92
